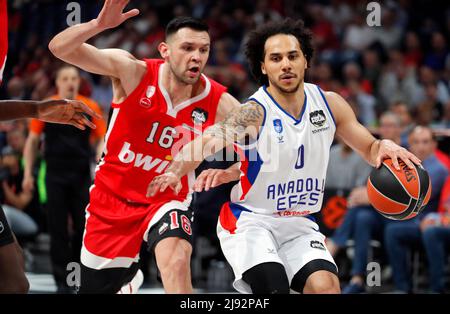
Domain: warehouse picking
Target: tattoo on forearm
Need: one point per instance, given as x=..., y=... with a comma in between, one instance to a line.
x=241, y=122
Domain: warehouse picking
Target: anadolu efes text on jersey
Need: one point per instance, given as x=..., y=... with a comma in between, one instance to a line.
x=146, y=131
x=283, y=172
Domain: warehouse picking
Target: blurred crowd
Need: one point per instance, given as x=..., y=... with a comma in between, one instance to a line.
x=401, y=67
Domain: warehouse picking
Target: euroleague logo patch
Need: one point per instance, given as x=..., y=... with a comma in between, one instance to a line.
x=146, y=101
x=317, y=118
x=199, y=116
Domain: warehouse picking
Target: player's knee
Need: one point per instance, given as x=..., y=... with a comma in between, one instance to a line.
x=177, y=265
x=267, y=278
x=317, y=276
x=324, y=285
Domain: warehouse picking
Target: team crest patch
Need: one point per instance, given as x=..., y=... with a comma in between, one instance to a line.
x=278, y=126
x=199, y=116
x=146, y=102
x=150, y=91
x=317, y=118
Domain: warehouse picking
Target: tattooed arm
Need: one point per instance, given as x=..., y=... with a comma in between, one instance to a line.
x=242, y=122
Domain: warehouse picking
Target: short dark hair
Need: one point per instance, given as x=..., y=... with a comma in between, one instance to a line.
x=185, y=21
x=254, y=47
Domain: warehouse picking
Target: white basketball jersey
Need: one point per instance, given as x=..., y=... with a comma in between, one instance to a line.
x=283, y=172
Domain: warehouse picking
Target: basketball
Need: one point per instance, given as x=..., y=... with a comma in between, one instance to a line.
x=398, y=194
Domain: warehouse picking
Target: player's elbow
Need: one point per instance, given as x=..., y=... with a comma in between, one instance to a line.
x=56, y=48
x=53, y=47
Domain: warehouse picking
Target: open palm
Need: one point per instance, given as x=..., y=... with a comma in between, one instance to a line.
x=112, y=14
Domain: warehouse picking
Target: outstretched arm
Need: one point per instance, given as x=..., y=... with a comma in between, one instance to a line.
x=211, y=178
x=359, y=138
x=243, y=121
x=57, y=111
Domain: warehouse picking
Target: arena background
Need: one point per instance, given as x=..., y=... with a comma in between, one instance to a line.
x=404, y=59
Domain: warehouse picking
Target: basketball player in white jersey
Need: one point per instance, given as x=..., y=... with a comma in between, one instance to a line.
x=283, y=133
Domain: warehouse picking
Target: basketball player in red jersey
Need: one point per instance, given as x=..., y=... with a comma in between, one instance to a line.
x=12, y=272
x=158, y=106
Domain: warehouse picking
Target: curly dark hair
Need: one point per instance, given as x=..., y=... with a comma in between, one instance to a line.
x=254, y=47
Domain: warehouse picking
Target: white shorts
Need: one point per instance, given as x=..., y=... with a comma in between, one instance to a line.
x=290, y=241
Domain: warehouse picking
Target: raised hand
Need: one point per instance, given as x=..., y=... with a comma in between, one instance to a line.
x=66, y=111
x=112, y=14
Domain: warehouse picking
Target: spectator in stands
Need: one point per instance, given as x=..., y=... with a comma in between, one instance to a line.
x=406, y=119
x=361, y=220
x=372, y=67
x=346, y=175
x=431, y=110
x=390, y=34
x=398, y=82
x=427, y=77
x=412, y=50
x=436, y=58
x=361, y=90
x=436, y=240
x=358, y=35
x=17, y=203
x=401, y=236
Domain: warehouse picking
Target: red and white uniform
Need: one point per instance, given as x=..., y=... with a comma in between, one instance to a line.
x=145, y=132
x=3, y=37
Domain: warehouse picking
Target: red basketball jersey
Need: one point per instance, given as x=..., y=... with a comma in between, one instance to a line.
x=146, y=132
x=3, y=36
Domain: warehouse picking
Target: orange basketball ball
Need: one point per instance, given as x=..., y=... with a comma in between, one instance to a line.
x=398, y=194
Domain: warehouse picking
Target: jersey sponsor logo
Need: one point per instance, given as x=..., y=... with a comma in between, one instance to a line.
x=199, y=116
x=163, y=228
x=317, y=245
x=306, y=192
x=317, y=118
x=293, y=213
x=145, y=102
x=278, y=126
x=146, y=162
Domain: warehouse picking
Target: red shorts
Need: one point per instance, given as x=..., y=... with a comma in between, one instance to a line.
x=115, y=228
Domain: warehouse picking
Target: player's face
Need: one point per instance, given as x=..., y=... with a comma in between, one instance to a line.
x=68, y=83
x=188, y=54
x=421, y=143
x=284, y=62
